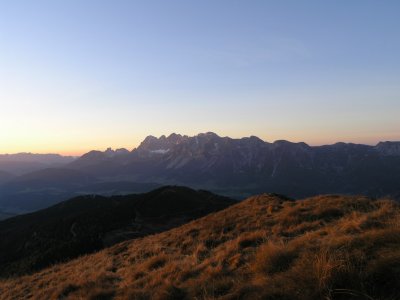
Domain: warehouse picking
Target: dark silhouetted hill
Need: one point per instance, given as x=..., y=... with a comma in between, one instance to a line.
x=88, y=223
x=5, y=215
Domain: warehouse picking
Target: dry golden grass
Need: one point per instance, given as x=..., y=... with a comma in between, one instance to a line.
x=326, y=247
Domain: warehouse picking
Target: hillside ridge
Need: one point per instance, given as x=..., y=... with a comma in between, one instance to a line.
x=266, y=247
x=89, y=223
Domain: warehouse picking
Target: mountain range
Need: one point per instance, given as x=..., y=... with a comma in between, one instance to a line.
x=236, y=168
x=22, y=163
x=251, y=165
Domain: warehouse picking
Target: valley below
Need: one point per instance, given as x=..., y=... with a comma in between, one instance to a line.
x=236, y=168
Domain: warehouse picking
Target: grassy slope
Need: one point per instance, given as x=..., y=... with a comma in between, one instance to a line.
x=325, y=247
x=87, y=224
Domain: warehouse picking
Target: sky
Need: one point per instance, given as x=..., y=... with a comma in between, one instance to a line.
x=79, y=75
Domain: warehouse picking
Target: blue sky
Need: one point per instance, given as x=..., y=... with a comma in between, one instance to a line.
x=81, y=75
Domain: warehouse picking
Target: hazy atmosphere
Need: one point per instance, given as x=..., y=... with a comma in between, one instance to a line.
x=82, y=75
x=199, y=150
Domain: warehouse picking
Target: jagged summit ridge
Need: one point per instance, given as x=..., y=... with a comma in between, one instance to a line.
x=213, y=162
x=389, y=148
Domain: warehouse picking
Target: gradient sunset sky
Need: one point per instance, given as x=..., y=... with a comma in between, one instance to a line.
x=78, y=75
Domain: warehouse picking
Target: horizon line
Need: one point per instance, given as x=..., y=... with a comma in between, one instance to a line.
x=79, y=153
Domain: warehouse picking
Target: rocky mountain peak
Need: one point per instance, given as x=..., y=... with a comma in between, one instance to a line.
x=388, y=148
x=290, y=145
x=208, y=135
x=174, y=138
x=162, y=144
x=152, y=143
x=113, y=153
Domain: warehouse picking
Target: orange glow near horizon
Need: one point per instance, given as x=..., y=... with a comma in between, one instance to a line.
x=71, y=82
x=78, y=148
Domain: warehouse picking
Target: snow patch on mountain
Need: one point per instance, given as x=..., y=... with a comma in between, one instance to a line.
x=160, y=151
